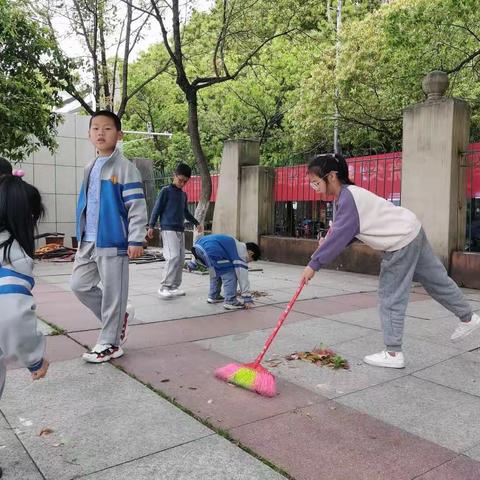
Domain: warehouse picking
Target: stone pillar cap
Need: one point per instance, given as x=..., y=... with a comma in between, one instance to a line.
x=435, y=84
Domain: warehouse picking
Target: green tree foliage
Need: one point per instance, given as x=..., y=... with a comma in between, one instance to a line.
x=28, y=93
x=383, y=59
x=286, y=97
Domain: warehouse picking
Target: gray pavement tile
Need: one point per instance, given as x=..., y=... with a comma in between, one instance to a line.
x=143, y=300
x=475, y=454
x=14, y=459
x=418, y=353
x=100, y=417
x=212, y=458
x=303, y=335
x=328, y=382
x=284, y=295
x=173, y=309
x=365, y=317
x=460, y=373
x=436, y=413
x=439, y=330
x=431, y=309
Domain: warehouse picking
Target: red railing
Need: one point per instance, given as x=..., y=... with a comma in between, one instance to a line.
x=381, y=174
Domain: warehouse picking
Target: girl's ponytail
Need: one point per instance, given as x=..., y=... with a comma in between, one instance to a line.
x=325, y=163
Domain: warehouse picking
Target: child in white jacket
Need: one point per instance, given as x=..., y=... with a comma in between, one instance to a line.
x=20, y=208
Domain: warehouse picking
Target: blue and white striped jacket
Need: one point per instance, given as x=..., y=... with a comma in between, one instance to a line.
x=19, y=337
x=123, y=211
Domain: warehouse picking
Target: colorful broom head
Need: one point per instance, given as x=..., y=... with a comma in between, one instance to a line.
x=249, y=376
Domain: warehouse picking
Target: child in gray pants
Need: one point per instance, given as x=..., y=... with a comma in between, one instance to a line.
x=111, y=220
x=407, y=254
x=171, y=208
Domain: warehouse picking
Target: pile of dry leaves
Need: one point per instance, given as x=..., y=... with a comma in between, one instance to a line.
x=321, y=356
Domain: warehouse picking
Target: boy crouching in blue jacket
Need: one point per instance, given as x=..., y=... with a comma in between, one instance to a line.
x=227, y=260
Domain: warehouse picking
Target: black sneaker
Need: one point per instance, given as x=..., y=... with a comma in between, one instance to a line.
x=235, y=305
x=218, y=299
x=102, y=353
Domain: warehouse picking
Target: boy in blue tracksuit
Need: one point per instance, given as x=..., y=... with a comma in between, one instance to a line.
x=111, y=220
x=227, y=260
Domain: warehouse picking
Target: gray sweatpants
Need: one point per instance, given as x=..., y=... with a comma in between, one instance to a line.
x=416, y=262
x=174, y=254
x=108, y=303
x=3, y=373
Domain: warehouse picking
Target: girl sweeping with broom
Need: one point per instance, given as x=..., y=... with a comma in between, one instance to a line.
x=407, y=255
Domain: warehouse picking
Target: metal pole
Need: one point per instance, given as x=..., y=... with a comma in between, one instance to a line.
x=336, y=139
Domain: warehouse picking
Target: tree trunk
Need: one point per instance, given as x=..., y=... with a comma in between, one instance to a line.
x=201, y=161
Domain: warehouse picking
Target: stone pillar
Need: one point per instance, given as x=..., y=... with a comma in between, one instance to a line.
x=435, y=133
x=256, y=202
x=236, y=154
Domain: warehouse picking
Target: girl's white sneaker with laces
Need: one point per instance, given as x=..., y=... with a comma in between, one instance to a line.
x=466, y=328
x=384, y=359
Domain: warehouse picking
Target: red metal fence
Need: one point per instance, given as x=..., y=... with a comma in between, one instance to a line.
x=301, y=212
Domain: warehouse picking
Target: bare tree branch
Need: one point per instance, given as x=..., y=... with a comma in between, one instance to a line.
x=464, y=62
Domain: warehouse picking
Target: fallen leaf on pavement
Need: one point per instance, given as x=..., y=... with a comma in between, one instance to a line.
x=45, y=432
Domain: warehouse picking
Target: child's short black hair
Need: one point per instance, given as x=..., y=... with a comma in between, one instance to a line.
x=184, y=170
x=255, y=249
x=5, y=167
x=109, y=114
x=20, y=208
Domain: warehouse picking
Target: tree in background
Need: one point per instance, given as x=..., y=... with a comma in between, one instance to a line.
x=233, y=37
x=28, y=93
x=109, y=32
x=384, y=57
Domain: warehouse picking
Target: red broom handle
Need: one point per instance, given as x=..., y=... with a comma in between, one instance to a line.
x=282, y=318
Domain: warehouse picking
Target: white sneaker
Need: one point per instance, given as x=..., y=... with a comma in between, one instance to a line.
x=165, y=293
x=466, y=328
x=102, y=353
x=176, y=292
x=384, y=359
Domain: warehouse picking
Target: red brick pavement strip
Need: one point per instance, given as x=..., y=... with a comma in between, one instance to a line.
x=460, y=468
x=332, y=441
x=191, y=329
x=185, y=372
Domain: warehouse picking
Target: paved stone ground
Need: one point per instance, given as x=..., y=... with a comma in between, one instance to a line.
x=364, y=423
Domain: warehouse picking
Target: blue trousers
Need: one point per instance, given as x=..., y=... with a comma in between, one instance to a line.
x=229, y=280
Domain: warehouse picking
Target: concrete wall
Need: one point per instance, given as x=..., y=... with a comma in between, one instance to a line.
x=358, y=257
x=58, y=176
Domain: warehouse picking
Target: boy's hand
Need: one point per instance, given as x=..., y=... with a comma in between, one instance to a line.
x=320, y=241
x=42, y=371
x=308, y=274
x=150, y=233
x=135, y=252
x=200, y=228
x=248, y=306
